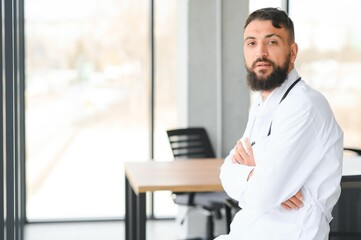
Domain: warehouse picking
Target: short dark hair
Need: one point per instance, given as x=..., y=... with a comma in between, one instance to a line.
x=279, y=19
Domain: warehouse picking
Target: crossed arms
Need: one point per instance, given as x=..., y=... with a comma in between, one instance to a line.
x=243, y=155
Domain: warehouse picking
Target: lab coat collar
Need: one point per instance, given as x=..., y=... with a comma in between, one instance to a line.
x=275, y=96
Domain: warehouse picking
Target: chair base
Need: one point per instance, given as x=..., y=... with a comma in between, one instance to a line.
x=198, y=239
x=192, y=239
x=209, y=228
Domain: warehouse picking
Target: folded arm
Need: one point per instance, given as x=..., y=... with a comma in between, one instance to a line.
x=276, y=181
x=243, y=154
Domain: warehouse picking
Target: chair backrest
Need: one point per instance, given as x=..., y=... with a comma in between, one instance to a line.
x=190, y=143
x=346, y=224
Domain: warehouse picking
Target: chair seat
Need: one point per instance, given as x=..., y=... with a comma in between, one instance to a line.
x=190, y=143
x=211, y=200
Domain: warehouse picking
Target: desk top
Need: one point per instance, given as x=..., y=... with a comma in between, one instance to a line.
x=187, y=175
x=194, y=175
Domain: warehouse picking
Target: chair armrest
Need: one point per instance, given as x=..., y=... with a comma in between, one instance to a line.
x=355, y=150
x=231, y=204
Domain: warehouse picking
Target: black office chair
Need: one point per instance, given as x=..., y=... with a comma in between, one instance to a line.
x=346, y=222
x=356, y=151
x=188, y=143
x=232, y=208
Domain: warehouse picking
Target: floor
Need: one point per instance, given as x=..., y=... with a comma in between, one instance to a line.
x=112, y=230
x=188, y=224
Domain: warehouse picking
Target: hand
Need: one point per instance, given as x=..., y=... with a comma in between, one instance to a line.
x=294, y=202
x=242, y=155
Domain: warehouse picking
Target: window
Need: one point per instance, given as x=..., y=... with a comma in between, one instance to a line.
x=87, y=110
x=254, y=5
x=329, y=57
x=166, y=117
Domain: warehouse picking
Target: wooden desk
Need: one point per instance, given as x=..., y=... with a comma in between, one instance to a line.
x=191, y=175
x=195, y=175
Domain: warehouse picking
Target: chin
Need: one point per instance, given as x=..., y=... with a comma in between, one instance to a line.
x=262, y=76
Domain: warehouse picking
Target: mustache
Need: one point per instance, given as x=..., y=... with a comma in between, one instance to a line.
x=263, y=59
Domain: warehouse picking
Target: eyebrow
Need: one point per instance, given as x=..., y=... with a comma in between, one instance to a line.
x=273, y=35
x=267, y=36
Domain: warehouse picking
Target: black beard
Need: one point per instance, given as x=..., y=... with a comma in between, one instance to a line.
x=274, y=80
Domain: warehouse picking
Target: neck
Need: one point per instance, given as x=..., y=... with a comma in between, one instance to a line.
x=265, y=94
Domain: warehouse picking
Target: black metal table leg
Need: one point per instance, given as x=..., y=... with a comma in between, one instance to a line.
x=141, y=216
x=135, y=213
x=130, y=212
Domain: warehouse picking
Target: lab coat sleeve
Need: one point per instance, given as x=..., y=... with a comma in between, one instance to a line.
x=291, y=155
x=234, y=177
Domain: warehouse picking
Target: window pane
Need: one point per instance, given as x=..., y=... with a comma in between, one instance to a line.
x=166, y=114
x=256, y=4
x=86, y=104
x=329, y=57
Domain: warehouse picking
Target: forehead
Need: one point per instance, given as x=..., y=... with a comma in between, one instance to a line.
x=262, y=29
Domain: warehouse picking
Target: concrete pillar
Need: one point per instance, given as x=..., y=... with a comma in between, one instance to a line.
x=211, y=75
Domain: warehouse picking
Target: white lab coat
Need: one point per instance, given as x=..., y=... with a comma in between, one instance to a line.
x=304, y=151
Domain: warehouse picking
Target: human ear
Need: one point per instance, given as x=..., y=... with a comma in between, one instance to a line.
x=294, y=51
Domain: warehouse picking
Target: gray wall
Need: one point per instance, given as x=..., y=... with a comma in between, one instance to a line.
x=211, y=80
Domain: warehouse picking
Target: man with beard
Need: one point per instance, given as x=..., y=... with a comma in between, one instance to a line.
x=285, y=171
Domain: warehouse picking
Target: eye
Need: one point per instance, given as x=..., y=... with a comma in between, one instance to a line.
x=272, y=42
x=251, y=43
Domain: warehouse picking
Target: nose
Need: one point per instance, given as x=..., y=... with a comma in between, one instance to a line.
x=261, y=51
